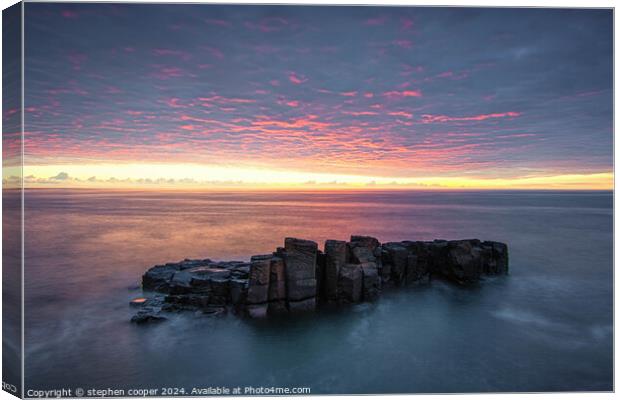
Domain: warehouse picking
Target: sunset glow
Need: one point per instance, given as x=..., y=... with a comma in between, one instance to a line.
x=202, y=176
x=303, y=97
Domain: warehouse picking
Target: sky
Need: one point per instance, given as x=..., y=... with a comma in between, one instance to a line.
x=317, y=97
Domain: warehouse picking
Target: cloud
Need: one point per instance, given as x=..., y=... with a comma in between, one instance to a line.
x=275, y=89
x=62, y=176
x=428, y=119
x=404, y=93
x=297, y=79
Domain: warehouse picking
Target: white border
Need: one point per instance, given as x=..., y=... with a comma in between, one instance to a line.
x=478, y=3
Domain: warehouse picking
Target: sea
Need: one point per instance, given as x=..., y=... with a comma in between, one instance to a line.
x=547, y=326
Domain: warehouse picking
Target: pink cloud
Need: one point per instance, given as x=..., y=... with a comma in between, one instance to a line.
x=359, y=113
x=165, y=73
x=449, y=75
x=174, y=102
x=404, y=93
x=400, y=114
x=369, y=95
x=517, y=136
x=349, y=94
x=429, y=118
x=297, y=79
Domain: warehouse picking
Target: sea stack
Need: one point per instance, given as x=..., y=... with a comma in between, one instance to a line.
x=300, y=278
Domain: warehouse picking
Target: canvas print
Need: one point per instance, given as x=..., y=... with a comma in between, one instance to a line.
x=221, y=199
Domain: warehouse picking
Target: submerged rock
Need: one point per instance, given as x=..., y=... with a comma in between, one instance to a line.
x=299, y=277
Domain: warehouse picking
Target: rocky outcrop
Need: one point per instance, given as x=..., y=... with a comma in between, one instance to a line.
x=299, y=277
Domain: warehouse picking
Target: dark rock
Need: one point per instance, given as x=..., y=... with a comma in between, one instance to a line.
x=241, y=271
x=362, y=249
x=258, y=288
x=335, y=257
x=499, y=258
x=238, y=291
x=277, y=286
x=320, y=275
x=158, y=278
x=386, y=265
x=369, y=242
x=187, y=264
x=361, y=254
x=181, y=282
x=300, y=259
x=438, y=259
x=301, y=289
x=459, y=261
x=378, y=259
x=371, y=282
x=395, y=256
x=210, y=272
x=300, y=256
x=277, y=279
x=415, y=270
x=350, y=283
x=220, y=291
x=302, y=305
x=190, y=301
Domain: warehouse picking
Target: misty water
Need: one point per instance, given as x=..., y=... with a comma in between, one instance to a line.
x=547, y=326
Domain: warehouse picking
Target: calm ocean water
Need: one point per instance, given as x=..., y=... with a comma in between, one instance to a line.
x=548, y=326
